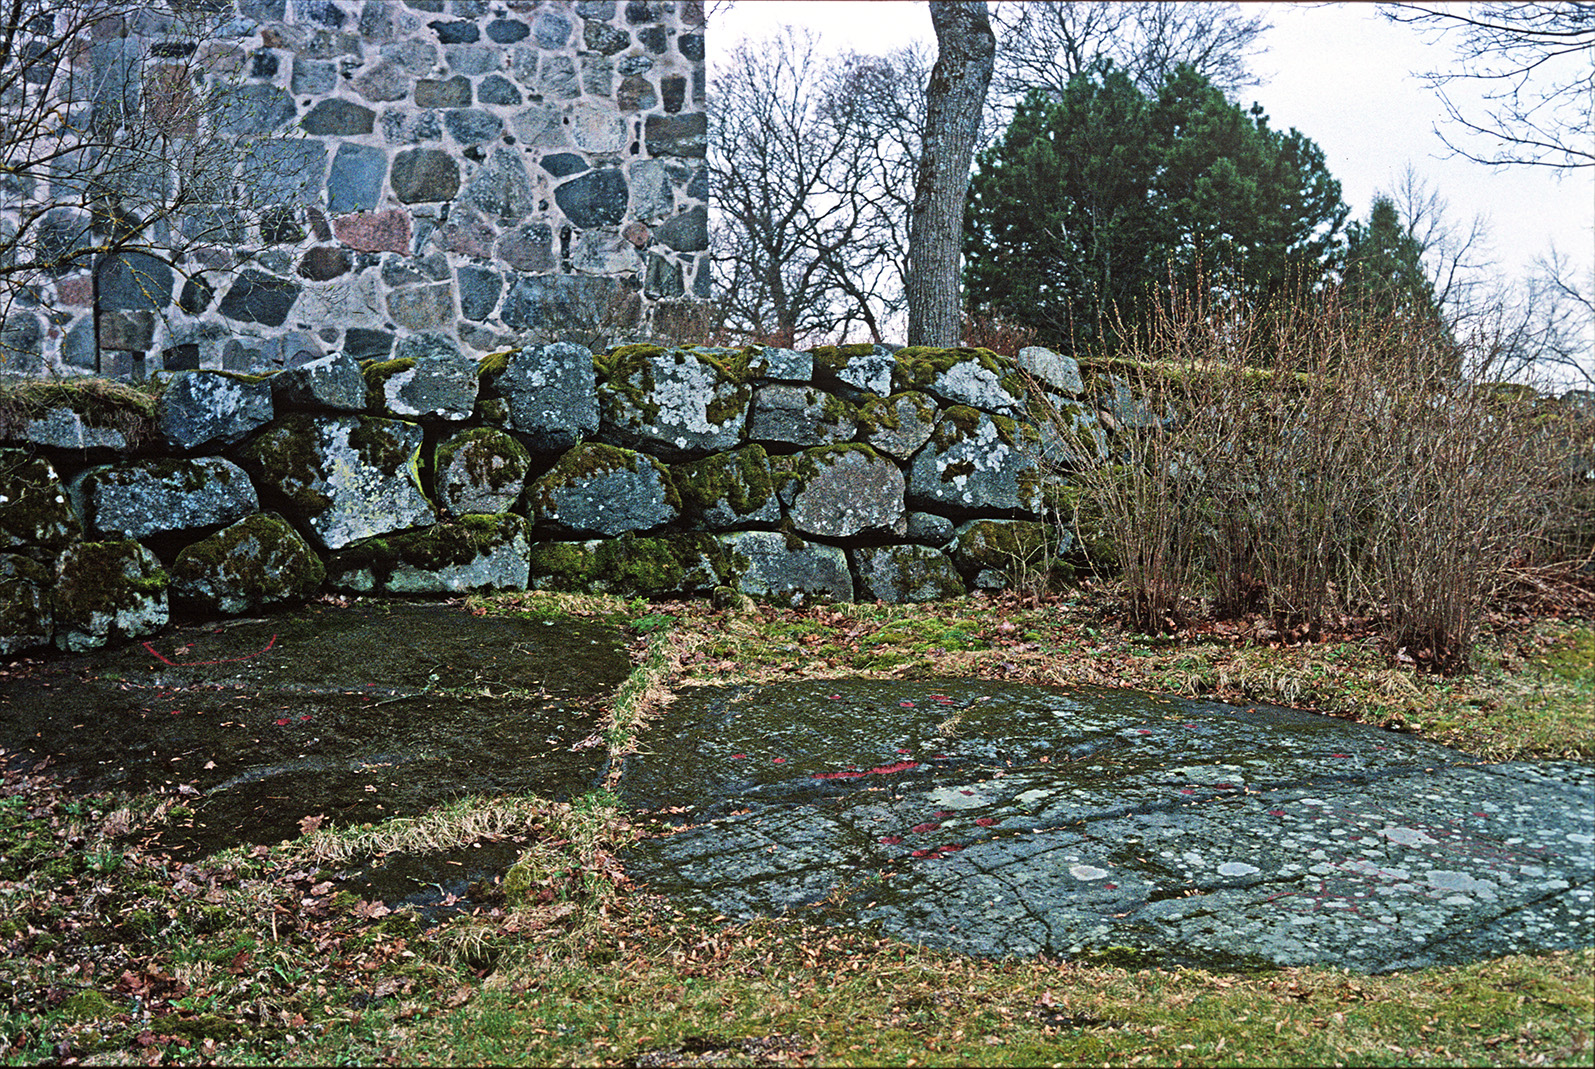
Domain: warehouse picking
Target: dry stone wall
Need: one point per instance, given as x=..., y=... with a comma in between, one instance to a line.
x=438, y=176
x=858, y=472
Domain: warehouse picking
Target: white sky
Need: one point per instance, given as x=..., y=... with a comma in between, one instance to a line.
x=1339, y=73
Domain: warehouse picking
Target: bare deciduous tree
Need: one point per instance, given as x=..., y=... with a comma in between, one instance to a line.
x=1455, y=255
x=811, y=167
x=954, y=99
x=1537, y=64
x=1043, y=45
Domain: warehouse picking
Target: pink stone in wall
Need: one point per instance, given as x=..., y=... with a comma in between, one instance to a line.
x=637, y=234
x=387, y=231
x=75, y=292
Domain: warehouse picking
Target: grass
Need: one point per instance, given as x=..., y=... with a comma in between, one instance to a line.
x=112, y=954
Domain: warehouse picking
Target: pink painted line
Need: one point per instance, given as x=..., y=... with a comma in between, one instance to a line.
x=158, y=655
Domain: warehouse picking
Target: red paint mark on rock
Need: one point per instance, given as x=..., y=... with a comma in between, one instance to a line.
x=1276, y=812
x=928, y=826
x=906, y=705
x=887, y=770
x=739, y=757
x=778, y=760
x=283, y=721
x=985, y=822
x=891, y=840
x=847, y=774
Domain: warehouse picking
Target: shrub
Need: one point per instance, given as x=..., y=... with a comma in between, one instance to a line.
x=1310, y=459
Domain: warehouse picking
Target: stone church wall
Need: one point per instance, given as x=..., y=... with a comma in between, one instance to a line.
x=412, y=175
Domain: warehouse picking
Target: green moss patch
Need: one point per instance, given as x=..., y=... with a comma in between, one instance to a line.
x=431, y=548
x=739, y=480
x=632, y=566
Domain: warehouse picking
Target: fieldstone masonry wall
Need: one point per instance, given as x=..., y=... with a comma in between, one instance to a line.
x=839, y=473
x=447, y=176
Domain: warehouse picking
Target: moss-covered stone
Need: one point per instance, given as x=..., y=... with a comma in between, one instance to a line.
x=776, y=565
x=896, y=574
x=728, y=489
x=679, y=404
x=377, y=373
x=1004, y=553
x=833, y=358
x=480, y=470
x=603, y=489
x=1094, y=544
x=105, y=591
x=26, y=619
x=473, y=552
x=42, y=412
x=797, y=414
x=898, y=425
x=345, y=478
x=258, y=561
x=846, y=490
x=631, y=566
x=34, y=511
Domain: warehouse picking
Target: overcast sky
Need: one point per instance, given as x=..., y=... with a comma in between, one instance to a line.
x=1339, y=73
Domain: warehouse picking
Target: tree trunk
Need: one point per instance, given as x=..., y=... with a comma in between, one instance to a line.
x=966, y=49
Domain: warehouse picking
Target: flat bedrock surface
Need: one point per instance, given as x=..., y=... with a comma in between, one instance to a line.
x=1000, y=819
x=357, y=714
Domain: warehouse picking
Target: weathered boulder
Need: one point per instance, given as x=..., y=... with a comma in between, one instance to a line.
x=977, y=461
x=931, y=529
x=775, y=565
x=1122, y=408
x=868, y=369
x=480, y=470
x=550, y=393
x=26, y=619
x=632, y=566
x=1072, y=437
x=62, y=427
x=204, y=408
x=427, y=378
x=258, y=561
x=331, y=382
x=781, y=365
x=105, y=591
x=89, y=414
x=905, y=573
x=728, y=490
x=453, y=557
x=34, y=511
x=677, y=403
x=994, y=554
x=1052, y=369
x=343, y=477
x=978, y=378
x=837, y=491
x=898, y=425
x=791, y=414
x=598, y=489
x=143, y=498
